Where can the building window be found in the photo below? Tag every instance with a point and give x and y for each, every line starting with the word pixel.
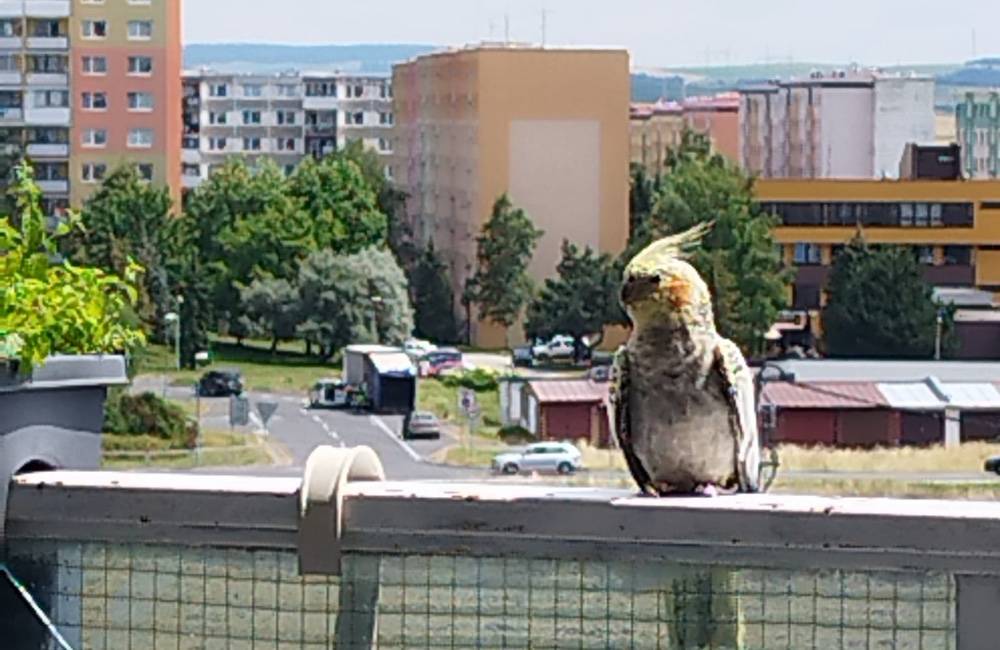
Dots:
pixel 93 172
pixel 47 63
pixel 94 28
pixel 140 102
pixel 94 101
pixel 285 144
pixel 251 117
pixel 286 118
pixel 958 255
pixel 253 90
pixel 191 169
pixel 48 136
pixel 924 254
pixel 10 63
pixel 50 99
pixel 384 145
pixel 906 214
pixel 216 144
pixel 218 90
pixel 140 138
pixel 94 65
pixel 140 30
pixel 321 89
pixel 47 29
pixel 145 171
pixel 141 65
pixel 356 118
pixel 385 118
pixel 189 142
pixel 807 254
pixel 922 215
pixel 216 118
pixel 10 28
pixel 251 144
pixel 95 138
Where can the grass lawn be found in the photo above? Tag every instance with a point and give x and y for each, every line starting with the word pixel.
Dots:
pixel 288 369
pixel 218 449
pixel 968 457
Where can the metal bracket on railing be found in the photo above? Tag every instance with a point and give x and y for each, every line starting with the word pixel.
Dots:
pixel 328 470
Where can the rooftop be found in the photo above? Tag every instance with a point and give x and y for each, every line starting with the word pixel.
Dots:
pixel 567 391
pixel 818 370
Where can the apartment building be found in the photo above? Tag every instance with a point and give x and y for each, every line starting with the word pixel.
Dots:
pixel 844 125
pixel 285 117
pixel 549 127
pixel 977 116
pixel 80 84
pixel 656 127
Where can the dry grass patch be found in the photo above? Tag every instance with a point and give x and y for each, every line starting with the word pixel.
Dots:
pixel 968 457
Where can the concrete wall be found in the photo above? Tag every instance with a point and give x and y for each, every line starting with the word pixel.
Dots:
pixel 846 133
pixel 904 113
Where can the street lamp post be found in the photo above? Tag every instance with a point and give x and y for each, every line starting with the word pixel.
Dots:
pixel 172 318
pixel 937 336
pixel 377 308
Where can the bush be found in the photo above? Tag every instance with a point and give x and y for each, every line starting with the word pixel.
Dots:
pixel 479 380
pixel 149 415
pixel 516 435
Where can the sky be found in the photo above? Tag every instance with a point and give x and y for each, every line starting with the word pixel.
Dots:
pixel 657 32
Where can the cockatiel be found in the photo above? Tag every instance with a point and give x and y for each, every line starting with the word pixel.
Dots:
pixel 683 396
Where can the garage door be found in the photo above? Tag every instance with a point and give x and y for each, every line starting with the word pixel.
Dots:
pixel 567 421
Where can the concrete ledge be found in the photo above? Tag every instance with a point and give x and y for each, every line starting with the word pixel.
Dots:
pixel 163 508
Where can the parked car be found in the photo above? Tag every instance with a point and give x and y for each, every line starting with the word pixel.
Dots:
pixel 422 425
pixel 417 348
pixel 521 357
pixel 559 347
pixel 561 457
pixel 220 383
pixel 599 374
pixel 440 361
pixel 329 393
pixel 992 464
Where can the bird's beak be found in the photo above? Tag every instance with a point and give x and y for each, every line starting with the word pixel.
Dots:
pixel 639 287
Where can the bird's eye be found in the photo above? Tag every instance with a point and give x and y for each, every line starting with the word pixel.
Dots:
pixel 638 287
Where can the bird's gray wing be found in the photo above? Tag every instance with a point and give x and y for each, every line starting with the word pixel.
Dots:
pixel 740 391
pixel 620 396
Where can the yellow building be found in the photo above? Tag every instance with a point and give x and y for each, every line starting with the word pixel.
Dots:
pixel 550 127
pixel 654 128
pixel 953 226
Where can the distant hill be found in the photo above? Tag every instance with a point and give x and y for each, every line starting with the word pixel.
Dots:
pixel 259 57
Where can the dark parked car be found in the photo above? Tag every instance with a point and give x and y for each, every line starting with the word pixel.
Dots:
pixel 422 425
pixel 522 357
pixel 220 383
pixel 992 464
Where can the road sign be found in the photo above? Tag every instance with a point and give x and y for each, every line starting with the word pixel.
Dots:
pixel 467 402
pixel 239 411
pixel 266 410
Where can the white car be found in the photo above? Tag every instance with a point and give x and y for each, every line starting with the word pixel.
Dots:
pixel 560 347
pixel 417 348
pixel 560 457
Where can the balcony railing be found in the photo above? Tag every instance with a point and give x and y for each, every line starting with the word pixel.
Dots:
pixel 342 557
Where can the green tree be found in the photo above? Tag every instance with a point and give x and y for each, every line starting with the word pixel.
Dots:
pixel 390 200
pixel 124 220
pixel 580 301
pixel 642 194
pixel 243 224
pixel 501 286
pixel 359 298
pixel 880 306
pixel 739 259
pixel 49 305
pixel 433 300
pixel 192 286
pixel 271 309
pixel 341 204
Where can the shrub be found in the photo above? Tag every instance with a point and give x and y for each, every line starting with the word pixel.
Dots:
pixel 479 380
pixel 516 435
pixel 149 415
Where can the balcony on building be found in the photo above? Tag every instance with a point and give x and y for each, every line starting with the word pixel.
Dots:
pixel 47 150
pixel 47 34
pixel 47 8
pixel 47 116
pixel 54 186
